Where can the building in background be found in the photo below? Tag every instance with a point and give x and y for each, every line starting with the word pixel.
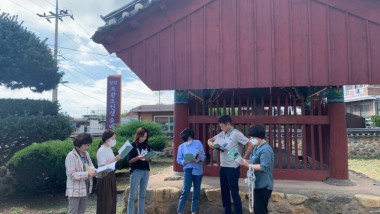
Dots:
pixel 160 113
pixel 362 100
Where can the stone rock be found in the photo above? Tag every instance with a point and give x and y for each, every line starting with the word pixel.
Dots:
pixel 211 209
pixel 324 207
pixel 315 196
pixel 277 196
pixel 149 195
pixel 213 194
pixel 296 199
pixel 339 199
pixel 166 194
pixel 173 178
pixel 126 195
pixel 368 201
pixel 301 210
pixel 282 207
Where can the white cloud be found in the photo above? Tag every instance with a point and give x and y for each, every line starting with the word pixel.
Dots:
pixel 85 72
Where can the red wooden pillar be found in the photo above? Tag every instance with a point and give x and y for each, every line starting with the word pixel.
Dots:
pixel 181 121
pixel 338 134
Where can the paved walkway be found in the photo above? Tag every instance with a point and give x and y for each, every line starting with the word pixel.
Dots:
pixel 361 185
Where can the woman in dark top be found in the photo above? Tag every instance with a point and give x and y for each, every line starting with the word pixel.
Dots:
pixel 139 174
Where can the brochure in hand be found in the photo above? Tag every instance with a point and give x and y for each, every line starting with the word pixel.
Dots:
pixel 220 145
pixel 234 154
pixel 125 149
pixel 105 169
pixel 150 155
pixel 189 156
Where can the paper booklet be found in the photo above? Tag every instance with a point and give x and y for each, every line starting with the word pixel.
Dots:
pixel 220 145
pixel 105 169
pixel 125 149
pixel 234 154
pixel 150 155
pixel 189 156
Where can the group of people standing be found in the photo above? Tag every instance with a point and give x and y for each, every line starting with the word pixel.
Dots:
pixel 80 172
pixel 258 156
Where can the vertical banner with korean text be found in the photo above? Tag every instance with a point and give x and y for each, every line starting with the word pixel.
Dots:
pixel 113 101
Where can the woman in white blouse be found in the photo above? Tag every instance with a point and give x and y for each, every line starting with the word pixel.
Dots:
pixel 106 185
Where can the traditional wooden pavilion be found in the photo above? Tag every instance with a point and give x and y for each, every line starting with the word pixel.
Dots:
pixel 277 62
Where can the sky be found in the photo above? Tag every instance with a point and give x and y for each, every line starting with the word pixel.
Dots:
pixel 86 64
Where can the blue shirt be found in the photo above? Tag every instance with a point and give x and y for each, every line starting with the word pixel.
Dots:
pixel 194 148
pixel 264 156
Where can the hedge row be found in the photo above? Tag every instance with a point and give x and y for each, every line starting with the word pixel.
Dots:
pixel 19 132
pixel 27 107
pixel 41 167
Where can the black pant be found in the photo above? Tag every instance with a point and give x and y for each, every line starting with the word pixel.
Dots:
pixel 261 200
pixel 229 184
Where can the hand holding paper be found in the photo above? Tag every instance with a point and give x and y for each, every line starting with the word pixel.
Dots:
pixel 220 145
pixel 125 149
pixel 150 155
pixel 104 170
pixel 234 154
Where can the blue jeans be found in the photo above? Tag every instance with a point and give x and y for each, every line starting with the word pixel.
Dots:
pixel 188 179
pixel 229 184
pixel 139 178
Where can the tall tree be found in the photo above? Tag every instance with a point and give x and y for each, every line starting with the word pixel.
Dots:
pixel 25 60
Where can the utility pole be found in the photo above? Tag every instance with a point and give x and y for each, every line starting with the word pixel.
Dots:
pixel 159 96
pixel 56 16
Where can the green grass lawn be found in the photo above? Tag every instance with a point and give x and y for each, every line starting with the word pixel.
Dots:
pixel 367 166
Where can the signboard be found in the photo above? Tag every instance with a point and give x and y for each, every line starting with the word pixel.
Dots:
pixel 113 101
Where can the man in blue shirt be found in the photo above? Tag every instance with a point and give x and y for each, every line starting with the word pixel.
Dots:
pixel 261 161
pixel 191 155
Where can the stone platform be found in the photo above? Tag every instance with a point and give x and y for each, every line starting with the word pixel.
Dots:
pixel 362 195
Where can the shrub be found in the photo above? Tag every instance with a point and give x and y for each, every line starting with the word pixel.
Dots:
pixel 26 107
pixel 158 143
pixel 376 120
pixel 19 132
pixel 157 139
pixel 41 167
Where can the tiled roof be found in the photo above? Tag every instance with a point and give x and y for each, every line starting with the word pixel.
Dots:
pixel 123 14
pixel 153 108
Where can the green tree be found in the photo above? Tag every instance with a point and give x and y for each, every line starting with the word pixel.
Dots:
pixel 25 60
pixel 23 122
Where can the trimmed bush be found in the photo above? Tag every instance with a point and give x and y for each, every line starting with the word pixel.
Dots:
pixel 158 143
pixel 40 168
pixel 19 132
pixel 375 120
pixel 157 139
pixel 27 107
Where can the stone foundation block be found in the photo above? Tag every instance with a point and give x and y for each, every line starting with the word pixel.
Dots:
pixel 296 199
pixel 165 194
pixel 277 196
pixel 368 201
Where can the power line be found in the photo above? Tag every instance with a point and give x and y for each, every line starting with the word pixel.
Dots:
pixel 88 52
pixel 84 94
pixel 38 5
pixel 68 59
pixel 22 6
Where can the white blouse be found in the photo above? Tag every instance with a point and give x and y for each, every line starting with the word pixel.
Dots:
pixel 104 155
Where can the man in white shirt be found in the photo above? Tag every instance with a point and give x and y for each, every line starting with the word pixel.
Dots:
pixel 229 168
